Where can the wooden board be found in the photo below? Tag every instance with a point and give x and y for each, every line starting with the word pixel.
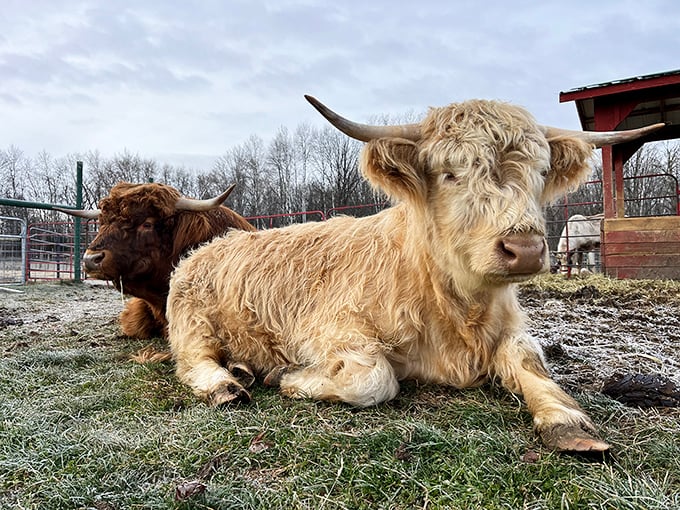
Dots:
pixel 641 247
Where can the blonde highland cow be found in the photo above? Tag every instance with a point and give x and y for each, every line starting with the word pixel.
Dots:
pixel 343 310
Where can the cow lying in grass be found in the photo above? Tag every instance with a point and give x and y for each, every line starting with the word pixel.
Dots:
pixel 345 309
pixel 144 229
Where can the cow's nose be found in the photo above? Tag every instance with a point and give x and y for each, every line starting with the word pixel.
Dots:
pixel 522 253
pixel 93 260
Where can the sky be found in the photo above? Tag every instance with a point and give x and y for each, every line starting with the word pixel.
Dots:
pixel 184 81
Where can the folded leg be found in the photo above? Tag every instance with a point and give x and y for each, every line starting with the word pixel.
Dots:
pixel 358 378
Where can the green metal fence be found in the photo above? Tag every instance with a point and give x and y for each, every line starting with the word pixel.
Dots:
pixel 8 254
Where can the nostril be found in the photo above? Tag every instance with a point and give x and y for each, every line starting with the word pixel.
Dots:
pixel 93 260
pixel 521 253
pixel 505 250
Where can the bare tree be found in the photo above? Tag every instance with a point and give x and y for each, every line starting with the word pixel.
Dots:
pixel 304 142
pixel 14 167
pixel 122 167
pixel 281 162
pixel 336 161
pixel 180 178
pixel 670 157
pixel 650 186
pixel 94 187
pixel 243 165
pixel 249 161
pixel 669 163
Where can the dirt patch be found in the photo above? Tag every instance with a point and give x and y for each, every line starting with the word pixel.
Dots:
pixel 61 315
pixel 591 332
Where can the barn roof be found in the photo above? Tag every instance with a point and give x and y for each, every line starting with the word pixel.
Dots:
pixel 653 98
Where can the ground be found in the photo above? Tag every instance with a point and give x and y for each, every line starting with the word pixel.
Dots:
pixel 593 328
pixel 82 426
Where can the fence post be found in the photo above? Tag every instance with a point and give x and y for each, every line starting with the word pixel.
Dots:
pixel 24 254
pixel 79 205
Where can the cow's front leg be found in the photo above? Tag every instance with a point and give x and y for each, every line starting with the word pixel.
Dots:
pixel 558 419
pixel 198 357
pixel 212 382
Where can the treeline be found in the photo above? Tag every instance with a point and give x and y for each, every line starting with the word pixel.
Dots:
pixel 308 169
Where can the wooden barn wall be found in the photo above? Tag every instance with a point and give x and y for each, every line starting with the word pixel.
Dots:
pixel 641 247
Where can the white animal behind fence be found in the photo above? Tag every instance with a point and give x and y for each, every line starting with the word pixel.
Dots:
pixel 579 243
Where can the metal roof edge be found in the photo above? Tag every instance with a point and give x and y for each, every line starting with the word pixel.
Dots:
pixel 579 92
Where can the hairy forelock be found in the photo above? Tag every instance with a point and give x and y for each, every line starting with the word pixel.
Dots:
pixel 126 200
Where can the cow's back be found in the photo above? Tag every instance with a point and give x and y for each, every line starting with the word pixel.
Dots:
pixel 293 284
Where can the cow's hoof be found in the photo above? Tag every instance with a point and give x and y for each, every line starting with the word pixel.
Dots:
pixel 243 373
pixel 273 378
pixel 572 438
pixel 229 394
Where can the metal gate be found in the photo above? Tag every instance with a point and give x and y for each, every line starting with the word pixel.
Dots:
pixel 12 251
pixel 51 249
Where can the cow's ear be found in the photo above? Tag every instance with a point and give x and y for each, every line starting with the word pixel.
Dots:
pixel 391 165
pixel 569 166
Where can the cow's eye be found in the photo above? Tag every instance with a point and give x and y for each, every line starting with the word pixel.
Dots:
pixel 147 225
pixel 448 177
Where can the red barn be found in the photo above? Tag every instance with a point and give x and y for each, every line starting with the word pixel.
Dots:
pixel 647 247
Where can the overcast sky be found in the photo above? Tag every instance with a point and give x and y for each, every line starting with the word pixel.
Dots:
pixel 183 81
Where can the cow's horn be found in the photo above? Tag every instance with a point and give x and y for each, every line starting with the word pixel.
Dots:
pixel 365 132
pixel 601 138
pixel 191 204
pixel 88 214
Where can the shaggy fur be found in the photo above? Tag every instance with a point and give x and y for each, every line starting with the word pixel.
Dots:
pixel 343 310
pixel 142 237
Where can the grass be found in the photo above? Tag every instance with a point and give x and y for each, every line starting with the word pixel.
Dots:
pixel 83 427
pixel 601 287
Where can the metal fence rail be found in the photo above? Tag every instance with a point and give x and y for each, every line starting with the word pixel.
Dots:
pixel 267 221
pixel 12 251
pixel 51 249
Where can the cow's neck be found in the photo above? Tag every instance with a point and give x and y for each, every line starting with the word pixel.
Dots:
pixel 148 291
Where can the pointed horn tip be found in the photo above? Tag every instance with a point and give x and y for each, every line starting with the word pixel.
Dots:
pixel 311 99
pixel 321 108
pixel 225 194
pixel 654 127
pixel 196 205
pixel 91 214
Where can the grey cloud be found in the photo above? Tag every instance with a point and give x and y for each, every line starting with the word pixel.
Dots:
pixel 232 69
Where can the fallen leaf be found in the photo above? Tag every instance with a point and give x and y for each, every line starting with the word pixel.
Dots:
pixel 258 444
pixel 188 490
pixel 210 468
pixel 531 457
